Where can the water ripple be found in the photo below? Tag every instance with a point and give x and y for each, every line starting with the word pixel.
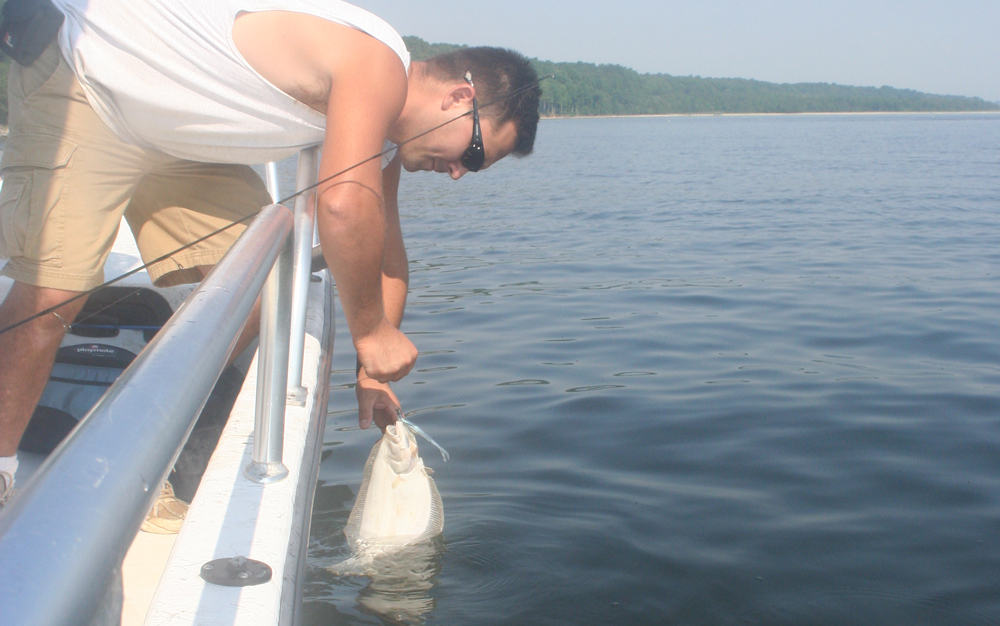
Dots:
pixel 749 377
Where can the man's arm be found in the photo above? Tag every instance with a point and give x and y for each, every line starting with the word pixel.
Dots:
pixel 395 265
pixel 355 225
pixel 361 86
pixel 376 401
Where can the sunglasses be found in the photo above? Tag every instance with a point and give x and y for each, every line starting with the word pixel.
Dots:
pixel 475 154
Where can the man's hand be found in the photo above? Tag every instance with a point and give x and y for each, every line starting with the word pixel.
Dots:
pixel 386 354
pixel 375 401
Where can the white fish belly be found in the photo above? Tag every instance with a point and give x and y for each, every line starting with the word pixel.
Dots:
pixel 397 506
pixel 398 502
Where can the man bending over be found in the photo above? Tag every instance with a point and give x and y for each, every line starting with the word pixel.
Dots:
pixel 155 109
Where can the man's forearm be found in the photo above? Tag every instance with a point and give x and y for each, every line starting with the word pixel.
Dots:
pixel 395 265
pixel 394 292
pixel 395 269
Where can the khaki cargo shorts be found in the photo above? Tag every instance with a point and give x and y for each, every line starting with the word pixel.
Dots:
pixel 67 181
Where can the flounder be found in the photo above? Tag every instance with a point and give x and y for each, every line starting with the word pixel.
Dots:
pixel 398 503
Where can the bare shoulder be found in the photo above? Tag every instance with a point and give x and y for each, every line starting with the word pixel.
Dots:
pixel 307 56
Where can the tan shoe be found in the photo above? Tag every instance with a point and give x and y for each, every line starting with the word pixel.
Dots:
pixel 167 514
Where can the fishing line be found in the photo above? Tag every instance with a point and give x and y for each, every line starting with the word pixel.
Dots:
pixel 136 270
pixel 420 431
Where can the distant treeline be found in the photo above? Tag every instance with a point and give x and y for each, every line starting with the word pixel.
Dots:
pixel 588 89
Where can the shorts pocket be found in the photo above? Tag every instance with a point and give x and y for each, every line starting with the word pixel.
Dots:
pixel 31 200
pixel 12 217
pixel 30 80
pixel 36 151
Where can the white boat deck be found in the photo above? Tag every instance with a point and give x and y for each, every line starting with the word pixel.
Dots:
pixel 141 571
pixel 233 516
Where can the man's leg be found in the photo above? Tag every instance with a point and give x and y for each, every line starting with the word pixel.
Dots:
pixel 182 201
pixel 28 353
pixel 67 179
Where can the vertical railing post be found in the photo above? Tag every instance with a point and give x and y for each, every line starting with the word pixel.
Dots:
pixel 305 212
pixel 271 178
pixel 272 372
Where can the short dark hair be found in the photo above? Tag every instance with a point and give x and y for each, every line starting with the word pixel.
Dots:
pixel 496 72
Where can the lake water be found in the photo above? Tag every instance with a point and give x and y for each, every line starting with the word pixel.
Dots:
pixel 697 370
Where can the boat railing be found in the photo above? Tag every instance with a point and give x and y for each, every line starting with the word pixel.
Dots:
pixel 64 536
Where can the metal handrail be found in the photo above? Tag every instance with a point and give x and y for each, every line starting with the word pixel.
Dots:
pixel 63 538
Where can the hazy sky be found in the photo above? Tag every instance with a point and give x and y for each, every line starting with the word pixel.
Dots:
pixel 936 46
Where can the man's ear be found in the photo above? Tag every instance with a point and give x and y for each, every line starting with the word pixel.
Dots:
pixel 459 95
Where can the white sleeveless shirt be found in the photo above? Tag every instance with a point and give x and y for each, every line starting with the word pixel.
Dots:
pixel 166 75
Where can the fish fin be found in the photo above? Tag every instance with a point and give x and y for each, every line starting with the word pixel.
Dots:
pixel 436 522
pixel 353 528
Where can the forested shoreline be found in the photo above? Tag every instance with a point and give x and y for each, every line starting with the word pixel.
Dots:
pixel 586 89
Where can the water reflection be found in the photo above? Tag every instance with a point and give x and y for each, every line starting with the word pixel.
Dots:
pixel 399 584
pixel 394 588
